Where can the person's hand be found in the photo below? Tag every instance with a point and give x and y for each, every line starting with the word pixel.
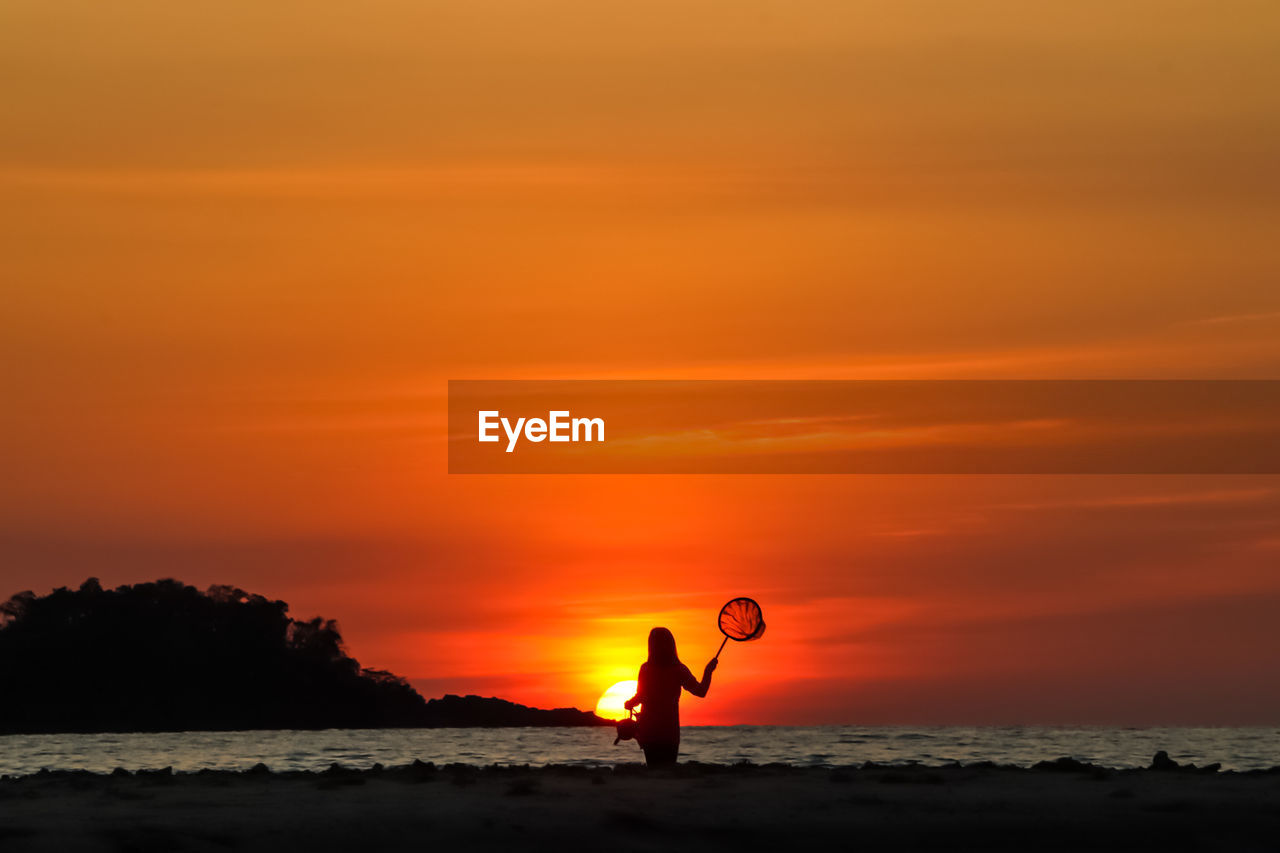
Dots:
pixel 711 666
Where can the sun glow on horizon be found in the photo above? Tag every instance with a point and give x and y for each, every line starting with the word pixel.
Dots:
pixel 610 704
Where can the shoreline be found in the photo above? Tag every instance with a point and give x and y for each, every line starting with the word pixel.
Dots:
pixel 1160 764
pixel 1059 805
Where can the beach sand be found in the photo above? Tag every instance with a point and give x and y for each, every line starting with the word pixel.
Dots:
pixel 691 807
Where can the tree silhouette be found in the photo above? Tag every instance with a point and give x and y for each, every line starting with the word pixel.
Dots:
pixel 164 656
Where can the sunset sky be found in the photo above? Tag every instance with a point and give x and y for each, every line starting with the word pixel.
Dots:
pixel 244 246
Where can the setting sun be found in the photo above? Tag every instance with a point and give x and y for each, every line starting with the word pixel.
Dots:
pixel 610 704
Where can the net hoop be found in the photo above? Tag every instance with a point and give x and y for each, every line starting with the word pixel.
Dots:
pixel 742 620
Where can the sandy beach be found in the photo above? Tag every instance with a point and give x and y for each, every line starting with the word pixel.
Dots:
pixel 745 807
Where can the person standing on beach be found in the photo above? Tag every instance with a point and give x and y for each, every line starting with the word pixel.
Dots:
pixel 661 679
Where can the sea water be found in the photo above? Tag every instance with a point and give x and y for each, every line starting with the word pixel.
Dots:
pixel 820 746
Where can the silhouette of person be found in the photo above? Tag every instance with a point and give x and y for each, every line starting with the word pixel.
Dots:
pixel 660 681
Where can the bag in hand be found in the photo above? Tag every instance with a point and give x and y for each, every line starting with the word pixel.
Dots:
pixel 627 729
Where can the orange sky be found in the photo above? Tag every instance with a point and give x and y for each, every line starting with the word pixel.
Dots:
pixel 245 245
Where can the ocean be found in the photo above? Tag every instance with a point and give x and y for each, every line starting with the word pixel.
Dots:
pixel 821 746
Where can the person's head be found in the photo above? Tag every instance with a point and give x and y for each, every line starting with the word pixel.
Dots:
pixel 662 647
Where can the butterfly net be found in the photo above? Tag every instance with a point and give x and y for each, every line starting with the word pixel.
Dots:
pixel 742 620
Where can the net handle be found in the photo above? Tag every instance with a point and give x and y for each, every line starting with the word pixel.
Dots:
pixel 719 650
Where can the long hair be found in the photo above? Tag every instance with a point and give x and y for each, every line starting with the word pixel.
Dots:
pixel 662 648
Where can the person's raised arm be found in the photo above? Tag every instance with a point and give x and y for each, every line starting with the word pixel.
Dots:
pixel 700 688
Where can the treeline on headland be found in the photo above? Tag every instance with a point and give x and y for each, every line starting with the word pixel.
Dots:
pixel 165 656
